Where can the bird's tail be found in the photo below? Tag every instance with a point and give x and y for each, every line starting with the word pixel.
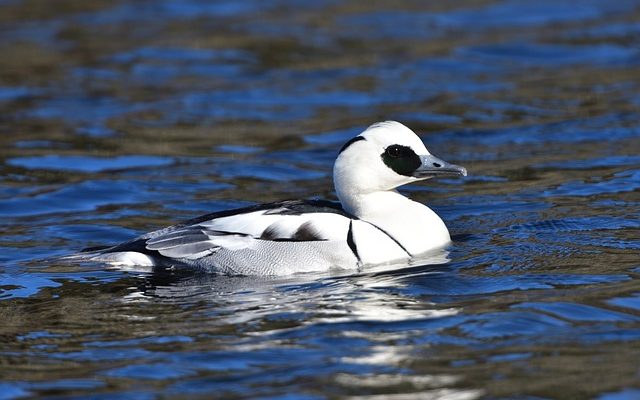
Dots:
pixel 124 260
pixel 89 254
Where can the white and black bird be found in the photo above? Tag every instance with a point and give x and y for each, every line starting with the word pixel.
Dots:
pixel 372 224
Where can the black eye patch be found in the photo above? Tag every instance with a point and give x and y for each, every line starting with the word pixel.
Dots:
pixel 397 151
pixel 402 159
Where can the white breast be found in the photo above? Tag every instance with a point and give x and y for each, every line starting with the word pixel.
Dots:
pixel 374 246
pixel 415 226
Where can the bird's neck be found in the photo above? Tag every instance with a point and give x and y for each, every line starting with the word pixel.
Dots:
pixel 415 226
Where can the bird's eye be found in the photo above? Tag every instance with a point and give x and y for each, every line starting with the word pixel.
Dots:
pixel 401 159
pixel 394 151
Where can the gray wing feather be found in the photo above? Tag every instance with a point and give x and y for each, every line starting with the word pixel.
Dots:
pixel 162 243
pixel 177 237
pixel 190 230
pixel 189 250
pixel 183 243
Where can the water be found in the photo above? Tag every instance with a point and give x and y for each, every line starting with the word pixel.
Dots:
pixel 119 118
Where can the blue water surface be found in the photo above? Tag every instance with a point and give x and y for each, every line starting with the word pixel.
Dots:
pixel 121 118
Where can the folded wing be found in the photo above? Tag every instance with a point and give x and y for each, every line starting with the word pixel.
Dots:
pixel 294 222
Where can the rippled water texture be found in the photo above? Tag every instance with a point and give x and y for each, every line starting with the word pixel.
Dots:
pixel 119 117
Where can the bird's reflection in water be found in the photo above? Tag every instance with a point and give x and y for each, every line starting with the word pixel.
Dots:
pixel 368 295
pixel 369 319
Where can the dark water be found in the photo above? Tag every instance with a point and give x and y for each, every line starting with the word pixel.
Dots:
pixel 121 117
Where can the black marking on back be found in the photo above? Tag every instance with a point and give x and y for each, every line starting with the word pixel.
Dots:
pixel 271 233
pixel 351 242
pixel 402 159
pixel 350 142
pixel 94 249
pixel 299 207
pixel 138 245
pixel 286 207
pixel 307 233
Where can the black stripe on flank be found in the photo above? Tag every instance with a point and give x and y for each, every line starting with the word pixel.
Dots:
pixel 351 242
pixel 350 142
pixel 392 238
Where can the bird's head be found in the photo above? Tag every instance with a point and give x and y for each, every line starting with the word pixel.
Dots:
pixel 386 155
